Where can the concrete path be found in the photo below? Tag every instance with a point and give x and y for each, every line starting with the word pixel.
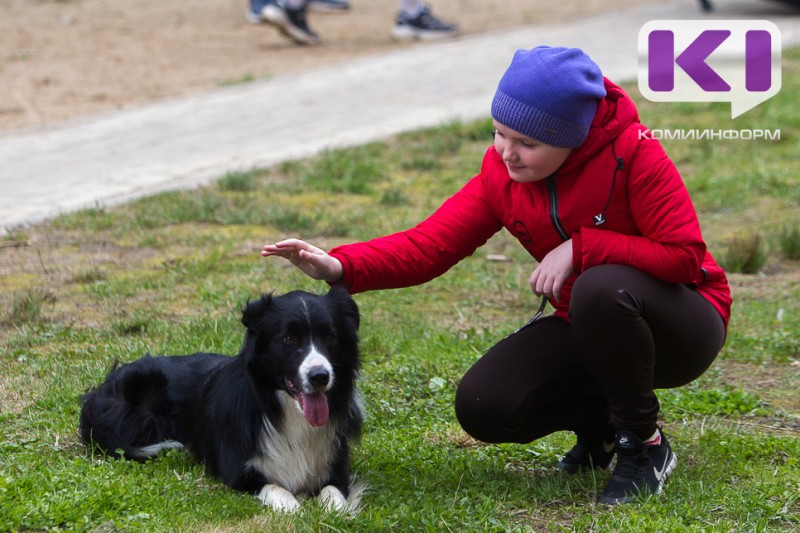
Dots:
pixel 108 159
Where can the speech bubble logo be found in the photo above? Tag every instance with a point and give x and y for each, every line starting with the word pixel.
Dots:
pixel 736 61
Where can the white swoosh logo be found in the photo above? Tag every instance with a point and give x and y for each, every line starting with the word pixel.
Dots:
pixel 660 473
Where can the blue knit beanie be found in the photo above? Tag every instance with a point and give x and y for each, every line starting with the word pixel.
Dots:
pixel 550 94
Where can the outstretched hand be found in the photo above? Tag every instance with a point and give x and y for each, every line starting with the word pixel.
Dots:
pixel 313 261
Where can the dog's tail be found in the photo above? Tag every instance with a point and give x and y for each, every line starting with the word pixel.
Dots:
pixel 130 413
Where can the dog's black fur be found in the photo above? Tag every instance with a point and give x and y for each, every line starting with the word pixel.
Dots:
pixel 243 416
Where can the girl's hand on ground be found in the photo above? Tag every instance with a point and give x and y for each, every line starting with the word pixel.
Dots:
pixel 313 261
pixel 549 276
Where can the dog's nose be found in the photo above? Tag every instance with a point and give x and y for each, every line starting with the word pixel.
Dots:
pixel 318 376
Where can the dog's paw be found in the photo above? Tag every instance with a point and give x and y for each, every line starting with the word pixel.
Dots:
pixel 332 498
pixel 278 498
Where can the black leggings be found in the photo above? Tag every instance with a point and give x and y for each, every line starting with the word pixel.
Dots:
pixel 629 334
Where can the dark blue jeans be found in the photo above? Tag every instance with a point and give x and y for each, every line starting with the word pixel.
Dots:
pixel 629 334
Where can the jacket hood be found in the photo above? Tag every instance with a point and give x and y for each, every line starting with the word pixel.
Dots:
pixel 615 113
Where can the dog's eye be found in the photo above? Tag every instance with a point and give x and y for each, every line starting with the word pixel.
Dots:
pixel 290 339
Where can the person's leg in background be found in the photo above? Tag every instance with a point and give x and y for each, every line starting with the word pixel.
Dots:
pixel 416 21
pixel 289 16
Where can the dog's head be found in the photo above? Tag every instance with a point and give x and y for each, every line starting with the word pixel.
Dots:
pixel 305 345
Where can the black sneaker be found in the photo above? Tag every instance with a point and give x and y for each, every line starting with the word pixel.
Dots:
pixel 640 469
pixel 424 26
pixel 593 450
pixel 291 22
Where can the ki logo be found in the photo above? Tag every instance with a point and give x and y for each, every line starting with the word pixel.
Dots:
pixel 736 61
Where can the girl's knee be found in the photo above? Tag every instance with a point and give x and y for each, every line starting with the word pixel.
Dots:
pixel 602 278
pixel 469 412
pixel 602 290
pixel 476 414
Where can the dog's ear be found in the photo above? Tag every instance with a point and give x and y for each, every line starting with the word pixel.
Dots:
pixel 345 304
pixel 255 309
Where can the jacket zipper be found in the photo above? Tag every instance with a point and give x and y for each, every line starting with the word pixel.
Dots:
pixel 551 189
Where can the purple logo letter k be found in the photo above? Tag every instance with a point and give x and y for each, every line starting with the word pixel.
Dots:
pixel 661 75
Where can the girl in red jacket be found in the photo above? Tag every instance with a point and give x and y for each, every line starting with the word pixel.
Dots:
pixel 640 303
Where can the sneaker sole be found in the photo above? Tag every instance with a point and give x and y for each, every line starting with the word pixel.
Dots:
pixel 403 33
pixel 253 18
pixel 275 16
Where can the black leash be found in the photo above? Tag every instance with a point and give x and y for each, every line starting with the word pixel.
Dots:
pixel 537 316
pixel 533 319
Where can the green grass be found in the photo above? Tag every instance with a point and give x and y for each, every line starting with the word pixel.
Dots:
pixel 169 273
pixel 26 306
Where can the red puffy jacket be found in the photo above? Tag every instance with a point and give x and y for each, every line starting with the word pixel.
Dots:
pixel 618 176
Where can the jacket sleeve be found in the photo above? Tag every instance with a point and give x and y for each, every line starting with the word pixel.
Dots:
pixel 412 257
pixel 670 247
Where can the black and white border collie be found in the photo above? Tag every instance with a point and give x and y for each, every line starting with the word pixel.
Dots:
pixel 276 420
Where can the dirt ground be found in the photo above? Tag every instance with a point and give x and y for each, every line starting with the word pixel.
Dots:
pixel 61 59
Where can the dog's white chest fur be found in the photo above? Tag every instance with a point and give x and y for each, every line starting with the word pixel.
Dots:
pixel 298 457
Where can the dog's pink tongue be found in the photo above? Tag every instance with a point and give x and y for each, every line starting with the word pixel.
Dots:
pixel 315 409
